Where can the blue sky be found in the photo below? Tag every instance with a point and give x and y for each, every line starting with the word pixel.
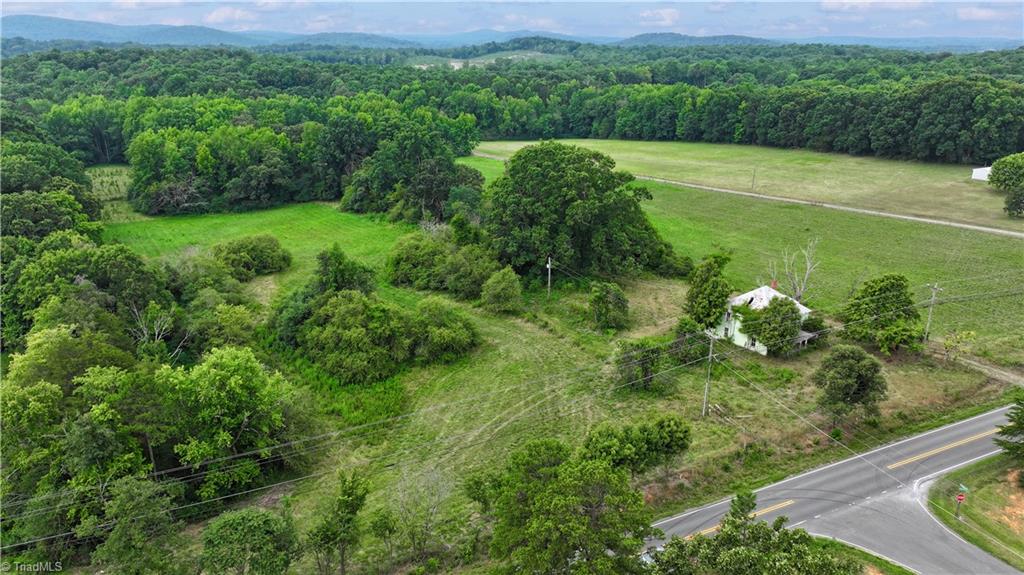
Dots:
pixel 766 19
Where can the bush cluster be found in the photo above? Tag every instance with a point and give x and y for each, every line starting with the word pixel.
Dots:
pixel 336 322
pixel 609 308
pixel 252 256
pixel 435 261
pixel 638 447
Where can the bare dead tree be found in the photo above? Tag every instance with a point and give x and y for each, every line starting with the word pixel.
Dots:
pixel 799 275
pixel 796 270
pixel 152 324
pixel 418 508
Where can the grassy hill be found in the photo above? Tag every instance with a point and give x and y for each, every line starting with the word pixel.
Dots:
pixel 941 191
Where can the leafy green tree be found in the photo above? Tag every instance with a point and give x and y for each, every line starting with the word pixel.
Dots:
pixel 744 545
pixel 233 406
pixel 569 203
pixel 609 308
pixel 777 326
pixel 248 542
pixel 637 362
pixel 60 354
pixel 36 214
pixel 557 514
pixel 849 378
pixel 588 519
pixel 384 526
pixel 145 539
pixel 709 292
pixel 689 341
pixel 882 312
pixel 503 292
pixel 1011 435
pixel 83 305
pixel 1008 173
pixel 443 333
pixel 337 530
pixel 29 165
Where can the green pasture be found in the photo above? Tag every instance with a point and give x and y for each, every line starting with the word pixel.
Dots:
pixel 942 191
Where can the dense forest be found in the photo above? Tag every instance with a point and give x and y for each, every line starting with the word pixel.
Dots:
pixel 857 100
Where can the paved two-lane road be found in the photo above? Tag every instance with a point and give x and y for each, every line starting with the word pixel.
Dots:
pixel 876 500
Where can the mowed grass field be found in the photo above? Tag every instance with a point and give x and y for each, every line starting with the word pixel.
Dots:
pixel 981 274
pixel 992 516
pixel 303 229
pixel 941 191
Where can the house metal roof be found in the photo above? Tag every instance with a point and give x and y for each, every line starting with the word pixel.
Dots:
pixel 760 297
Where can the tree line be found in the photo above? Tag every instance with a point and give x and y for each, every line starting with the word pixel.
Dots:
pixel 841 99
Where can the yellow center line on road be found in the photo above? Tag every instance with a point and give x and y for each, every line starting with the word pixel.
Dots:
pixel 938 450
pixel 758 513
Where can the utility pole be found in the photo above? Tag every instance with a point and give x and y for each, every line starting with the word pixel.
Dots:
pixel 931 305
pixel 707 381
pixel 549 277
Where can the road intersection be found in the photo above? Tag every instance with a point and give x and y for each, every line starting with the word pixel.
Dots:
pixel 877 500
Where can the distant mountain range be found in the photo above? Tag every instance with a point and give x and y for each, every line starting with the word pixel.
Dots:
pixel 47 28
pixel 673 39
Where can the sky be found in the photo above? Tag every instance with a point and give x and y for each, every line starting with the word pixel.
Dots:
pixel 770 19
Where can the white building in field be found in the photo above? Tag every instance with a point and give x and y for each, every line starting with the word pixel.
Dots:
pixel 730 327
pixel 981 174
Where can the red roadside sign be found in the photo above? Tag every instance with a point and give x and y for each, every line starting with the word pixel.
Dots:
pixel 960 497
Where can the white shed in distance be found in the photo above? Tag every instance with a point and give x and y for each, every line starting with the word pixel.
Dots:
pixel 981 174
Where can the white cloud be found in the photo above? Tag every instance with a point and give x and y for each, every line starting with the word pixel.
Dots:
pixel 514 21
pixel 851 5
pixel 321 23
pixel 662 17
pixel 228 14
pixel 975 14
pixel 718 6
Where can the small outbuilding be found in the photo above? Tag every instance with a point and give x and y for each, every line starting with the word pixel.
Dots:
pixel 981 174
pixel 730 327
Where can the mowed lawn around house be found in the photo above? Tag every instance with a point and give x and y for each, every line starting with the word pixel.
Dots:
pixel 941 191
pixel 992 515
pixel 981 274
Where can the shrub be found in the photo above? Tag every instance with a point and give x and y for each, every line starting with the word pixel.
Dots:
pixel 251 256
pixel 609 307
pixel 637 362
pixel 502 292
pixel 356 338
pixel 1015 202
pixel 443 333
pixel 415 262
pixel 689 343
pixel 1008 173
pixel 638 447
pixel 465 271
pixel 337 272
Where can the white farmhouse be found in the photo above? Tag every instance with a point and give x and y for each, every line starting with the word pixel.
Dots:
pixel 981 174
pixel 730 327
